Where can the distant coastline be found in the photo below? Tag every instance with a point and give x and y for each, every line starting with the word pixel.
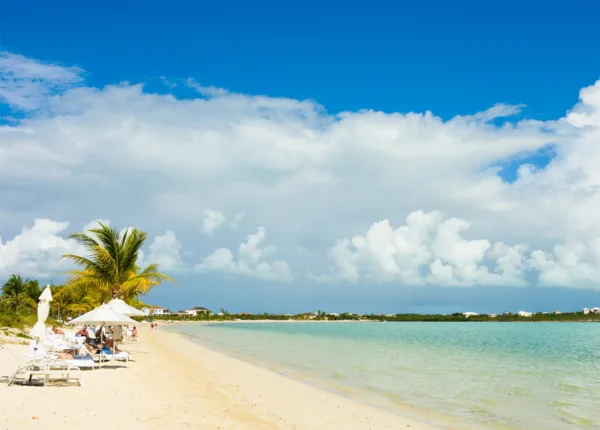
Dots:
pixel 569 317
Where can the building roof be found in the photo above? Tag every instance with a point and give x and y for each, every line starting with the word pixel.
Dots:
pixel 198 308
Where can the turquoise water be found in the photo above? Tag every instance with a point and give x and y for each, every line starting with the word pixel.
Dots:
pixel 493 375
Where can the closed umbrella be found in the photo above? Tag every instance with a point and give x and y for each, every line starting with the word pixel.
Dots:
pixel 39 329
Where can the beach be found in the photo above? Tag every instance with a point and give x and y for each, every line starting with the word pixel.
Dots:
pixel 174 383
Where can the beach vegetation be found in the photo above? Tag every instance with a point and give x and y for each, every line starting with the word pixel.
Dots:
pixel 19 296
pixel 110 269
pixel 347 316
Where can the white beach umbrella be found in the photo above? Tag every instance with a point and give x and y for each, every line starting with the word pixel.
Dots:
pixel 102 315
pixel 123 308
pixel 39 329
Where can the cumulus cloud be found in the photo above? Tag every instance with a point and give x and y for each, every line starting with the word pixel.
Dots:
pixel 309 175
pixel 165 251
pixel 36 251
pixel 252 261
pixel 429 249
pixel 576 264
pixel 25 83
pixel 212 221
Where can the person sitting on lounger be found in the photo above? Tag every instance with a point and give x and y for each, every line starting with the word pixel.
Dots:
pixel 56 330
pixel 110 343
pixel 134 332
pixel 83 332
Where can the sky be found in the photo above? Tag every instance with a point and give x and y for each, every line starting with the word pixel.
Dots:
pixel 361 157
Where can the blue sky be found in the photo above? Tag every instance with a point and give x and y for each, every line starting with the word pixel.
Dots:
pixel 448 57
pixel 292 166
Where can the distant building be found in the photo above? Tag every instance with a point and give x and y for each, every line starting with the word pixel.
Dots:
pixel 470 314
pixel 198 310
pixel 333 314
pixel 585 311
pixel 155 311
pixel 493 315
pixel 595 310
pixel 525 314
pixel 557 312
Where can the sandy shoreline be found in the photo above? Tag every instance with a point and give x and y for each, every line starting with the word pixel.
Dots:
pixel 176 383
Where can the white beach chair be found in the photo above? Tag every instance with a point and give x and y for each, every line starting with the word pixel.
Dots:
pixel 47 366
pixel 120 356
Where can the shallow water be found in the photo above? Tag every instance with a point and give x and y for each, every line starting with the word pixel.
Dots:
pixel 498 375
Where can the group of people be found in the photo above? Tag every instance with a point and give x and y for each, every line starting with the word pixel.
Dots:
pixel 96 339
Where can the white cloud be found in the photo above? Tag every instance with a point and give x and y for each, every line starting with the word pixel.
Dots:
pixel 576 264
pixel 213 220
pixel 209 91
pixel 429 249
pixel 252 261
pixel 36 251
pixel 25 84
pixel 165 251
pixel 309 175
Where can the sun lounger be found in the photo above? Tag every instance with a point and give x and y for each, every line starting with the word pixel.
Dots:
pixel 46 367
pixel 120 356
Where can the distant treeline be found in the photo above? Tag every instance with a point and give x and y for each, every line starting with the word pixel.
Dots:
pixel 321 316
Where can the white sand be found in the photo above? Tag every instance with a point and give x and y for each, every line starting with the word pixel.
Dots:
pixel 174 383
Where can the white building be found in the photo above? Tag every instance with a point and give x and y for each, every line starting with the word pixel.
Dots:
pixel 470 314
pixel 197 310
pixel 595 310
pixel 585 311
pixel 525 314
pixel 157 311
pixel 493 315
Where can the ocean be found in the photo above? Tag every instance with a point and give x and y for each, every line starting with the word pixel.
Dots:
pixel 489 375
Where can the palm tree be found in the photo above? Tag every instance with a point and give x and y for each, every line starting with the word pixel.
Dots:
pixel 70 302
pixel 33 289
pixel 110 269
pixel 17 294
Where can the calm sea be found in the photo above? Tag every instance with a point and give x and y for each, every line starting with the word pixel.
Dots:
pixel 496 375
